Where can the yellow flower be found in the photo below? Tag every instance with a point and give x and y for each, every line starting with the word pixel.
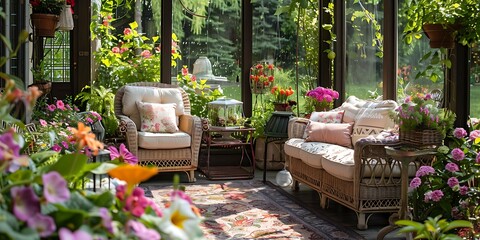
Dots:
pixel 132 174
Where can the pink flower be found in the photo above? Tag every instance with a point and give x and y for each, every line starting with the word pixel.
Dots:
pixel 66 234
pixel 136 203
pixel 459 133
pixel 477 159
pixel 51 107
pixel 116 50
pixel 142 232
pixel 452 167
pixel 55 188
pixel 415 183
pixel 458 154
pixel 184 71
pixel 474 134
pixel 56 148
pixel 435 195
pixel 452 182
pixel 123 154
pixel 463 190
pixel 424 170
pixel 60 105
pixel 146 54
pixel 43 123
pixel 127 31
pixel 180 194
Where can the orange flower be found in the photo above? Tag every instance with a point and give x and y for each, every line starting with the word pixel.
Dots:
pixel 84 137
pixel 132 174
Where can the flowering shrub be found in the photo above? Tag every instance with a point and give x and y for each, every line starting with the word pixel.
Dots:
pixel 128 57
pixel 421 112
pixel 41 195
pixel 322 98
pixel 262 77
pixel 198 91
pixel 450 186
pixel 281 94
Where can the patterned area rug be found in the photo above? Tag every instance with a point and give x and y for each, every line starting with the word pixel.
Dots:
pixel 252 210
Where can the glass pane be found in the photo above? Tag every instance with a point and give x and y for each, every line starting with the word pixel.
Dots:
pixel 415 72
pixel 209 42
pixel 57 57
pixel 275 42
pixel 364 29
pixel 475 81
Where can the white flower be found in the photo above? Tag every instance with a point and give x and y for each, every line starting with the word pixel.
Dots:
pixel 180 222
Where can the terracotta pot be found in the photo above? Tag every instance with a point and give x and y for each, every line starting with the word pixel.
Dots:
pixel 44 24
pixel 280 106
pixel 441 36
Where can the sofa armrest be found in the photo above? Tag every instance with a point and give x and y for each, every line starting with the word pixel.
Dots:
pixel 193 126
pixel 373 166
pixel 131 134
pixel 296 127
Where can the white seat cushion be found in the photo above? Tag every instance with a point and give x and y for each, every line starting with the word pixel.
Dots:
pixel 339 162
pixel 292 147
pixel 149 140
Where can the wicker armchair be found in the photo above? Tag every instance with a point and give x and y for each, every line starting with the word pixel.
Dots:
pixel 170 152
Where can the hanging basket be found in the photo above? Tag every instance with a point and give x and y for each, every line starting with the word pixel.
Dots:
pixel 421 138
pixel 44 25
pixel 441 36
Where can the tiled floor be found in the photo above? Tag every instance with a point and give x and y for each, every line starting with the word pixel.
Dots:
pixel 335 212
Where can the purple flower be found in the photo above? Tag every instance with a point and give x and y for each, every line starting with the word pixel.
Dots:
pixel 10 153
pixel 416 181
pixel 459 133
pixel 452 167
pixel 56 148
pixel 463 190
pixel 123 154
pixel 106 219
pixel 474 134
pixel 142 232
pixel 424 170
pixel 55 188
pixel 458 154
pixel 66 234
pixel 43 224
pixel 64 144
pixel 435 195
pixel 452 182
pixel 89 120
pixel 25 202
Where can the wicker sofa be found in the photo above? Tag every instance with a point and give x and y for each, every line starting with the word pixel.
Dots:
pixel 363 178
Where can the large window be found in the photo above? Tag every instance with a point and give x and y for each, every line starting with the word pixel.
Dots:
pixel 419 66
pixel 475 81
pixel 364 42
pixel 57 57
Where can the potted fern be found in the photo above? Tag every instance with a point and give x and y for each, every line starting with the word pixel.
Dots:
pixel 443 21
pixel 41 78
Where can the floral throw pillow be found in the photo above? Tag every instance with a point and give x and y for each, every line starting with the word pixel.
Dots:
pixel 157 117
pixel 325 117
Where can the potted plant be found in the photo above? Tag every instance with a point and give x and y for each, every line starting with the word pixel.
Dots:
pixel 41 78
pixel 453 21
pixel 45 16
pixel 281 102
pixel 321 98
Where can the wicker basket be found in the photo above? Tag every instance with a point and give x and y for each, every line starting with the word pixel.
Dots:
pixel 423 138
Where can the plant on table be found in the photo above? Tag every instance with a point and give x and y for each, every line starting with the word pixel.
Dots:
pixel 322 98
pixel 280 96
pixel 420 112
pixel 41 196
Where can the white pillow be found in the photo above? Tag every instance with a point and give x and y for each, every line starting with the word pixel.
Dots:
pixel 157 117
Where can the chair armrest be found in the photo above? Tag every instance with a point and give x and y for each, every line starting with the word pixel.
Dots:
pixel 131 134
pixel 193 126
pixel 296 127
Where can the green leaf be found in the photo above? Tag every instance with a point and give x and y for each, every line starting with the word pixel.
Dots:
pixel 25 234
pixel 105 199
pixel 69 164
pixel 103 168
pixel 133 25
pixel 458 224
pixel 20 175
pixel 38 156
